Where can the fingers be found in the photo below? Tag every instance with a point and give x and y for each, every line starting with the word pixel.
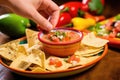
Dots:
pixel 50 10
pixel 53 11
pixel 42 21
pixel 54 18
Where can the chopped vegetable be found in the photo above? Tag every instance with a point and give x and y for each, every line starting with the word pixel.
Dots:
pixel 109 29
pixel 56 62
pixel 73 59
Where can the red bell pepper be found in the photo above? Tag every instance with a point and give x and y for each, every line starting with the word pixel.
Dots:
pixel 95 6
pixel 73 7
pixel 64 19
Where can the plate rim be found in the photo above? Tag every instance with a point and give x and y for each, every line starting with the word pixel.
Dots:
pixel 59 71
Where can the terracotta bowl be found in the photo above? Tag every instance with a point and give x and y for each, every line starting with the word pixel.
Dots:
pixel 61 49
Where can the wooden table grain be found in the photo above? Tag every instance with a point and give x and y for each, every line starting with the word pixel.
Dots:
pixel 106 69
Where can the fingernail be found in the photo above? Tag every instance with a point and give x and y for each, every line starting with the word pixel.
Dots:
pixel 50 27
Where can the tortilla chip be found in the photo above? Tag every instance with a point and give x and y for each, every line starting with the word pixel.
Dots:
pixel 37 69
pixel 86 60
pixel 92 54
pixel 91 40
pixel 12 44
pixel 35 53
pixel 64 66
pixel 20 63
pixel 32 37
pixel 9 50
pixel 87 50
pixel 32 58
pixel 21 50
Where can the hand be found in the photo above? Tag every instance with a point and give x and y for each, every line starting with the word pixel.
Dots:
pixel 43 12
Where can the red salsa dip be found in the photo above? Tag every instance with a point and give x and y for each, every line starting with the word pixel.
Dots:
pixel 61 36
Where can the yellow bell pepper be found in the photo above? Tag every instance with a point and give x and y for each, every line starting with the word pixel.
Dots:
pixel 81 23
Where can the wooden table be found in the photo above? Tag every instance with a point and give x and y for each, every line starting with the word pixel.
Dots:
pixel 107 69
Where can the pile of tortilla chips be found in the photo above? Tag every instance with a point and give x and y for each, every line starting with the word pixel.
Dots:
pixel 31 57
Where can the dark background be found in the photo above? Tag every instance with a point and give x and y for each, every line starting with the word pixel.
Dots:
pixel 112 7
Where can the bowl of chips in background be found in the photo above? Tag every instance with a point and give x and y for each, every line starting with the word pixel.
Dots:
pixel 112 25
pixel 25 57
pixel 108 29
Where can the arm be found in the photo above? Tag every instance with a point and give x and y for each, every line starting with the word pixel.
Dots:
pixel 37 10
